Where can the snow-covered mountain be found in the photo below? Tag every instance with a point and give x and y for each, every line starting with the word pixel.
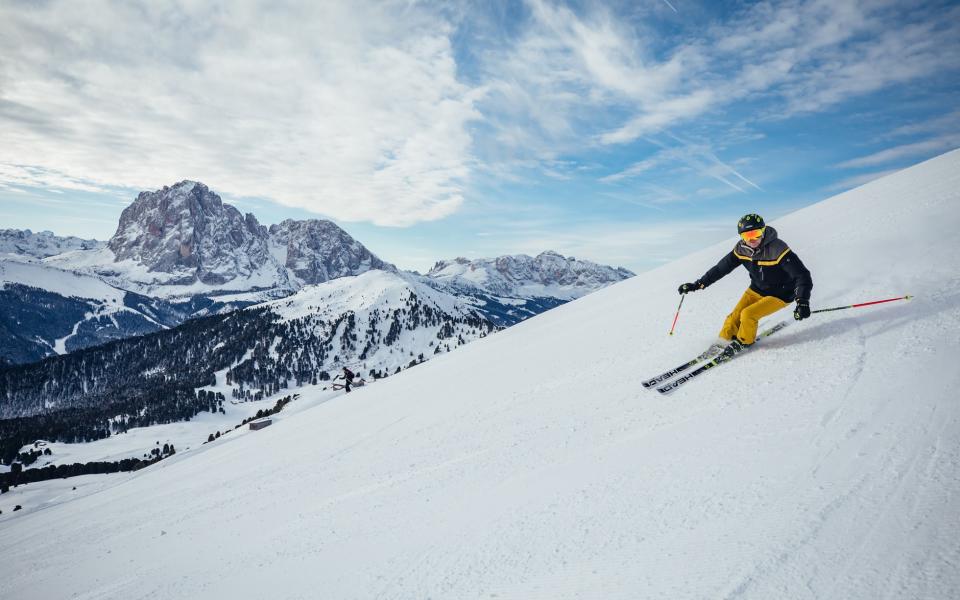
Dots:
pixel 180 252
pixel 23 244
pixel 520 276
pixel 185 234
pixel 183 241
pixel 47 311
pixel 377 323
pixel 508 289
pixel 315 251
pixel 825 463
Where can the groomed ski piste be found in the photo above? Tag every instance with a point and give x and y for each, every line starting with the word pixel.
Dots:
pixel 824 463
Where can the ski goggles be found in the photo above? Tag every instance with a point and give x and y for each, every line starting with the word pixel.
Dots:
pixel 755 234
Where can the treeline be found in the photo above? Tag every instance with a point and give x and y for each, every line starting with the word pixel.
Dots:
pixel 17 476
pixel 166 404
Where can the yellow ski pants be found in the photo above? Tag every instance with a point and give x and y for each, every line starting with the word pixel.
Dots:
pixel 746 315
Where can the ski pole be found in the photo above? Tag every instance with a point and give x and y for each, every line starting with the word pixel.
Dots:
pixel 676 316
pixel 861 304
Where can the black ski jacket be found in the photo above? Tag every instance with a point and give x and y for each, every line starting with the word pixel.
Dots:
pixel 774 269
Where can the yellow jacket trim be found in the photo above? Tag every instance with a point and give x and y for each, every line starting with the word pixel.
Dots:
pixel 740 256
pixel 767 263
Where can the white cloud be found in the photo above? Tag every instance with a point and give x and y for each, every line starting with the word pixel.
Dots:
pixel 698 156
pixel 349 109
pixel 360 110
pixel 664 114
pixel 941 123
pixel 798 56
pixel 30 176
pixel 902 151
pixel 635 169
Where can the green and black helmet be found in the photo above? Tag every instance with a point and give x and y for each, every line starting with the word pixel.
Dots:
pixel 750 222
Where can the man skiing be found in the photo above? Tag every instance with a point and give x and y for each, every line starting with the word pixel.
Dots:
pixel 777 277
pixel 348 377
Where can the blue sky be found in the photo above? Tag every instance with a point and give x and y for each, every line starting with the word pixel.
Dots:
pixel 626 133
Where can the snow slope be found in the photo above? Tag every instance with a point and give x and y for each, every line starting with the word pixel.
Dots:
pixel 135 276
pixel 59 281
pixel 88 311
pixel 360 294
pixel 531 464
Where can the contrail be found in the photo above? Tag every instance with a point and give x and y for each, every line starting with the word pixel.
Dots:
pixel 732 170
pixel 670 5
pixel 745 179
pixel 726 181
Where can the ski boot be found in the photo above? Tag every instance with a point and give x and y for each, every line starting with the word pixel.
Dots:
pixel 716 348
pixel 733 348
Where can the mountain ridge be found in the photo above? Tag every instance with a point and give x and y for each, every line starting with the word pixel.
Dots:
pixel 523 276
pixel 25 244
pixel 180 252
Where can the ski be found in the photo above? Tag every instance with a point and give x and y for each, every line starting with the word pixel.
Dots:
pixel 719 360
pixel 709 353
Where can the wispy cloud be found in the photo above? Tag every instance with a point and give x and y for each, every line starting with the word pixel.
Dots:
pixel 33 176
pixel 949 122
pixel 903 151
pixel 391 112
pixel 798 56
pixel 349 109
pixel 638 168
pixel 698 156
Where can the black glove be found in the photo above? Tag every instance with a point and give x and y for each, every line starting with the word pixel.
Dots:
pixel 690 287
pixel 802 311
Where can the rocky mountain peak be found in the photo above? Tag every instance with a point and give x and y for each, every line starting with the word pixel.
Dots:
pixel 187 231
pixel 440 265
pixel 318 250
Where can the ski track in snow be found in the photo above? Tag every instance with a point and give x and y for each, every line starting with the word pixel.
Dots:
pixel 532 463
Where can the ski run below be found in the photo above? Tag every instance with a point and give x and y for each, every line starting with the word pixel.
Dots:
pixel 532 463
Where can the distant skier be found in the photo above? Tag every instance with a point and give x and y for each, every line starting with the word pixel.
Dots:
pixel 348 377
pixel 777 277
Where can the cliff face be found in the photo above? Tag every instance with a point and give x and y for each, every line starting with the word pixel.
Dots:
pixel 318 251
pixel 187 231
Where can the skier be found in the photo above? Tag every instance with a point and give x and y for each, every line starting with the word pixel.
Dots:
pixel 777 277
pixel 348 377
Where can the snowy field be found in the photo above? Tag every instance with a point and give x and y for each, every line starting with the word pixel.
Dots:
pixel 532 464
pixel 60 282
pixel 44 494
